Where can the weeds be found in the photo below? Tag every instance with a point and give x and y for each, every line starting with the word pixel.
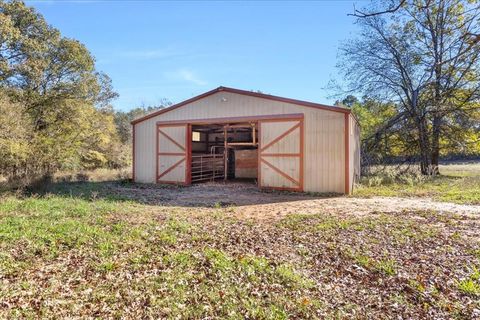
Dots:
pixel 471 285
pixel 459 186
pixel 363 260
pixel 386 266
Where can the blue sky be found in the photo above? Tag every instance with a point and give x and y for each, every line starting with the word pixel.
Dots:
pixel 176 50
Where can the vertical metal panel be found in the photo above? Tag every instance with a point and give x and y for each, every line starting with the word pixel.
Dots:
pixel 145 157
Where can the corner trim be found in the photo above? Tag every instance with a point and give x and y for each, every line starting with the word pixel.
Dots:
pixel 133 152
pixel 347 154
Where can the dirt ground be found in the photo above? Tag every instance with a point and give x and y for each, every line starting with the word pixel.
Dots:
pixel 247 201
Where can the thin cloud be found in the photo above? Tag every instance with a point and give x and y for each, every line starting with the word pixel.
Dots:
pixel 189 76
pixel 186 75
pixel 148 54
pixel 121 55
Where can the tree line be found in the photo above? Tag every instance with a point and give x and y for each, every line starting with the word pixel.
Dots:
pixel 54 105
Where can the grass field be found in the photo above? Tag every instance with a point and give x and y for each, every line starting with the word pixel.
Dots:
pixel 459 183
pixel 84 249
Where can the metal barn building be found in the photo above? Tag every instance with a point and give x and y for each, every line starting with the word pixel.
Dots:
pixel 227 134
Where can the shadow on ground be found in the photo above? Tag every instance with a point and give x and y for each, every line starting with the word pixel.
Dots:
pixel 211 194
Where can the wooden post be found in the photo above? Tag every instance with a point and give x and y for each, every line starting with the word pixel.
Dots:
pixel 207 141
pixel 253 133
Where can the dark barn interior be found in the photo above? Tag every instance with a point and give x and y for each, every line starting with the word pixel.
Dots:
pixel 224 151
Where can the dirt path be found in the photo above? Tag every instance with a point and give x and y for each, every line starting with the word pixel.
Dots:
pixel 247 201
pixel 356 206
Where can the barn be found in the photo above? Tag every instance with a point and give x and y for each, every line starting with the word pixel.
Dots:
pixel 230 134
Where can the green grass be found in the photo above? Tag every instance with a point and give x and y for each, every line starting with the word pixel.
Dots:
pixel 210 282
pixel 386 266
pixel 471 284
pixel 224 284
pixel 164 263
pixel 85 252
pixel 398 229
pixel 470 287
pixel 458 184
pixel 52 224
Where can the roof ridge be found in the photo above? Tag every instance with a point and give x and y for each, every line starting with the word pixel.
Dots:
pixel 244 92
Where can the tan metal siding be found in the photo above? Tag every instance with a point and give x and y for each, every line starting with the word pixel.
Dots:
pixel 324 156
pixel 270 178
pixel 175 175
pixel 277 139
pixel 272 130
pixel 144 151
pixel 172 142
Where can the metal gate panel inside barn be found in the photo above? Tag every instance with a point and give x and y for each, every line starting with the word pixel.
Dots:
pixel 281 154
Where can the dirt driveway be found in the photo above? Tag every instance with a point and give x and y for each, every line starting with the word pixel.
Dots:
pixel 246 201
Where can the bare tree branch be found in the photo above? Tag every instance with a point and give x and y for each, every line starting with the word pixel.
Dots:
pixel 360 14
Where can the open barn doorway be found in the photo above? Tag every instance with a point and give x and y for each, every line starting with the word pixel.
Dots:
pixel 224 152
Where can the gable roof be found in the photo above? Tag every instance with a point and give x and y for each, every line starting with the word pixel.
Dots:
pixel 246 93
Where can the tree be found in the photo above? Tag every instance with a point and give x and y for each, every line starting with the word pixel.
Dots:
pixel 380 145
pixel 14 136
pixel 123 119
pixel 350 101
pixel 423 57
pixel 53 82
